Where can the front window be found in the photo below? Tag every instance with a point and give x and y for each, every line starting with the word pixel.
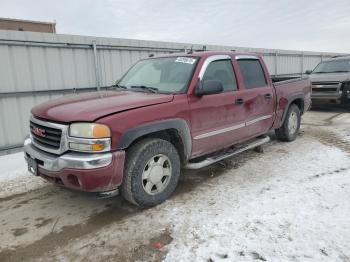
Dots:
pixel 163 75
pixel 221 70
pixel 337 66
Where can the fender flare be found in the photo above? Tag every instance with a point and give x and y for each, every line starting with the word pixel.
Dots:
pixel 291 99
pixel 180 125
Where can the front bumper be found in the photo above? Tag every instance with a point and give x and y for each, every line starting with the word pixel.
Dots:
pixel 83 171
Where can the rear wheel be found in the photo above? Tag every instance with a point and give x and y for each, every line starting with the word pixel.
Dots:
pixel 151 172
pixel 291 125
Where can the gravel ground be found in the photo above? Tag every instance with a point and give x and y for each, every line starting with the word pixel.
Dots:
pixel 290 203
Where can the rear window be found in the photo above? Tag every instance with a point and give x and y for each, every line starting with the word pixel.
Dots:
pixel 252 72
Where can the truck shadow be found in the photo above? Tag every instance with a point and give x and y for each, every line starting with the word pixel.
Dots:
pixel 191 179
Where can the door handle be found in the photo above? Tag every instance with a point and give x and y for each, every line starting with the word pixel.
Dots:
pixel 268 96
pixel 239 101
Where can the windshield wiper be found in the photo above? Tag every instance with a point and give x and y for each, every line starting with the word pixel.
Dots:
pixel 118 86
pixel 148 88
pixel 339 71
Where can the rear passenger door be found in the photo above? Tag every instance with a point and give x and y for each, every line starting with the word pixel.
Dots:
pixel 259 96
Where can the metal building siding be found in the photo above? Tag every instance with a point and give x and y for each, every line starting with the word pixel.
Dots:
pixel 289 64
pixel 7 82
pixel 53 68
pixel 32 62
pixel 12 119
pixel 270 63
pixel 311 61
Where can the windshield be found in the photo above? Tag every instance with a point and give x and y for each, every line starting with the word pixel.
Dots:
pixel 163 75
pixel 337 66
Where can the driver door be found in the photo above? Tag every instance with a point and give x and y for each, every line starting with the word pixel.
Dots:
pixel 217 120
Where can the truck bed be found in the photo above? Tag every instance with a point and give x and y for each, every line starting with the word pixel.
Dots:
pixel 279 79
pixel 288 90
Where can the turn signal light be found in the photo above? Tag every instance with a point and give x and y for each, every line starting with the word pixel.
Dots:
pixel 86 147
pixel 97 147
pixel 100 131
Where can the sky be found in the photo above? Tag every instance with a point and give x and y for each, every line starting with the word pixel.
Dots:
pixel 309 25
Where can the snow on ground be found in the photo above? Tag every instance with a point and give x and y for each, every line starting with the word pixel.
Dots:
pixel 342 123
pixel 285 207
pixel 290 203
pixel 12 167
pixel 14 175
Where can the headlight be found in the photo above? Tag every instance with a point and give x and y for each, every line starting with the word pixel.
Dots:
pixel 89 130
pixel 89 137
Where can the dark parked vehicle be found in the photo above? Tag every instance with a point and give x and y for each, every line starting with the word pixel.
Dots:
pixel 331 81
pixel 166 113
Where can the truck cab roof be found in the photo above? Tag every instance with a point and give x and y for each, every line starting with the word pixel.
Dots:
pixel 205 54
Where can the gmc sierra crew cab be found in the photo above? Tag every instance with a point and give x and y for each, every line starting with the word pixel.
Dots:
pixel 330 81
pixel 185 110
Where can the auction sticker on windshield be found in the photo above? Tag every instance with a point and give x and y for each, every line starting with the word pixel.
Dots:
pixel 186 60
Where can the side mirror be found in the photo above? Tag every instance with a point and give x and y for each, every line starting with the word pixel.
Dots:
pixel 209 87
pixel 308 72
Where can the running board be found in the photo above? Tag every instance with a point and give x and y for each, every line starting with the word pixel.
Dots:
pixel 245 146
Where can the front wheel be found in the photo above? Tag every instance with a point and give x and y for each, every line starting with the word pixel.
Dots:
pixel 291 125
pixel 346 103
pixel 151 172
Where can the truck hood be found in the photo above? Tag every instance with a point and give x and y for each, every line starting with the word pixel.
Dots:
pixel 330 77
pixel 91 106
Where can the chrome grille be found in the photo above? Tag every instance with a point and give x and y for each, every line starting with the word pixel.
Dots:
pixel 326 83
pixel 325 86
pixel 324 89
pixel 51 137
pixel 48 136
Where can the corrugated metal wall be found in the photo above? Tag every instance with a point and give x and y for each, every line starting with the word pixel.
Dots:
pixel 35 67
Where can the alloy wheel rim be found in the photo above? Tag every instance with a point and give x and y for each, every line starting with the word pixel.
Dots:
pixel 156 174
pixel 293 123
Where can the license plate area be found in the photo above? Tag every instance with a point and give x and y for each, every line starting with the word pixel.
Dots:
pixel 32 166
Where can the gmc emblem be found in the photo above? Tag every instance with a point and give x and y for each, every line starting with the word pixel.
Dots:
pixel 38 131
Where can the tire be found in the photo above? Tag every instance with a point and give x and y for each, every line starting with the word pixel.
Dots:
pixel 291 125
pixel 345 103
pixel 345 100
pixel 151 172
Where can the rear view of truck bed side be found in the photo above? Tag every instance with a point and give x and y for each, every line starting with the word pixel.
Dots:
pixel 297 91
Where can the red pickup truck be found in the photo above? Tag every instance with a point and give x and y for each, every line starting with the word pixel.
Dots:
pixel 166 113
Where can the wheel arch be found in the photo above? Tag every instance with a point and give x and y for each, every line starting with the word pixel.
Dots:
pixel 298 100
pixel 175 131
